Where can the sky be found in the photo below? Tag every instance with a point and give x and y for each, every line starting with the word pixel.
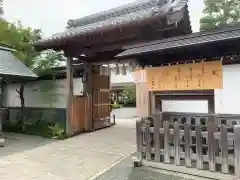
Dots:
pixel 52 15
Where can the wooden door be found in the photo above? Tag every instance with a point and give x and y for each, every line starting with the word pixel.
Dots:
pixel 101 101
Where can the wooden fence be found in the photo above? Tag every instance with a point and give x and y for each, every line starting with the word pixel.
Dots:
pixel 208 146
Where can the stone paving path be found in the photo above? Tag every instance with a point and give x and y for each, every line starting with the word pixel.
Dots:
pixel 125 171
pixel 78 158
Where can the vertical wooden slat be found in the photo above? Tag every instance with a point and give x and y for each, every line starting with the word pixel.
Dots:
pixel 166 143
pixel 148 143
pixel 88 92
pixel 237 149
pixel 199 147
pixel 153 103
pixel 139 138
pixel 224 148
pixel 157 137
pixel 187 138
pixel 211 143
pixel 177 143
pixel 138 132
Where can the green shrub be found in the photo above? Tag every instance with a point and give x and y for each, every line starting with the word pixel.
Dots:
pixel 38 128
pixel 115 106
pixel 57 130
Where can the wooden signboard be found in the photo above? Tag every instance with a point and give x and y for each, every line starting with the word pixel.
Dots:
pixel 197 76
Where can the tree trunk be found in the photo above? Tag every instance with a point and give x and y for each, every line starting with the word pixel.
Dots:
pixel 22 113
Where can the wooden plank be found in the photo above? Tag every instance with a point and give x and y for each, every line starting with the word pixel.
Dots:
pixel 199 147
pixel 177 143
pixel 69 95
pixel 187 138
pixel 204 75
pixel 237 150
pixel 166 143
pixel 140 137
pixel 148 143
pixel 205 158
pixel 211 143
pixel 157 137
pixel 224 149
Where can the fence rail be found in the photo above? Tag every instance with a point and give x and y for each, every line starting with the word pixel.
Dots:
pixel 209 146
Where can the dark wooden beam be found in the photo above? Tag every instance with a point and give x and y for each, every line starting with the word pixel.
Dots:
pixel 88 93
pixel 69 96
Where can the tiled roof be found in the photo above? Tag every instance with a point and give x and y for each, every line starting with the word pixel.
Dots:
pixel 116 12
pixel 11 66
pixel 117 17
pixel 183 41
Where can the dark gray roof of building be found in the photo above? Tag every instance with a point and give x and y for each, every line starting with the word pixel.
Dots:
pixel 115 12
pixel 7 48
pixel 11 66
pixel 230 33
pixel 117 17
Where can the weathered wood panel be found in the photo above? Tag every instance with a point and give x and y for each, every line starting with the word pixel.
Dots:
pixel 101 105
pixel 190 145
pixel 101 101
pixel 101 81
pixel 142 100
pixel 79 113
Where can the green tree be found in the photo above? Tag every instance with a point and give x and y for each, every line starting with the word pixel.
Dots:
pixel 129 95
pixel 220 13
pixel 22 39
pixel 43 66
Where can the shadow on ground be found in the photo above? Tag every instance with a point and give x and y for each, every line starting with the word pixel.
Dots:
pixel 125 171
pixel 18 143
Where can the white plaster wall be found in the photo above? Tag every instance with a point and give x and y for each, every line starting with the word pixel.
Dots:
pixel 227 99
pixel 185 106
pixel 33 98
pixel 120 78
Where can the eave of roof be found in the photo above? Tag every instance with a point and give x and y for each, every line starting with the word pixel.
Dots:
pixel 172 11
pixel 115 12
pixel 230 33
pixel 12 67
pixel 6 48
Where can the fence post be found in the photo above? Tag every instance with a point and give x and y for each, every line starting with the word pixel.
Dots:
pixel 211 142
pixel 237 149
pixel 157 122
pixel 148 143
pixel 199 147
pixel 224 148
pixel 187 139
pixel 177 143
pixel 166 145
pixel 139 138
pixel 138 135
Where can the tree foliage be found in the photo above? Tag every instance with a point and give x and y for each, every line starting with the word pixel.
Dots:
pixel 129 95
pixel 220 13
pixel 43 65
pixel 22 39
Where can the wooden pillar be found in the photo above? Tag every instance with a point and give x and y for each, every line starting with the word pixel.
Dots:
pixel 69 95
pixel 88 93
